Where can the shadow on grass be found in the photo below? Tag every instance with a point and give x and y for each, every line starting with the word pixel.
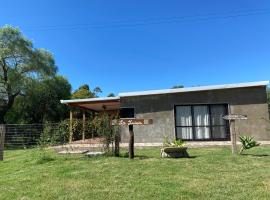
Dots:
pixel 255 155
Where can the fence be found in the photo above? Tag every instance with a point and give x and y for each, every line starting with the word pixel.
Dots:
pixel 18 136
pixel 26 135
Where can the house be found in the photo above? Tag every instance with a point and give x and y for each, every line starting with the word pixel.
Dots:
pixel 192 114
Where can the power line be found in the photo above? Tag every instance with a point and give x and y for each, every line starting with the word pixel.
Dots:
pixel 154 21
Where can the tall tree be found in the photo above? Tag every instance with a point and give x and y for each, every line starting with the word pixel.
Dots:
pixel 20 63
pixel 84 92
pixel 41 102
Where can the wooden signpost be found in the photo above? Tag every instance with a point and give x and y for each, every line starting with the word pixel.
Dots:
pixel 231 118
pixel 130 122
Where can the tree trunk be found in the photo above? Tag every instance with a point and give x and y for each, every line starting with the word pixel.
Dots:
pixel 2 116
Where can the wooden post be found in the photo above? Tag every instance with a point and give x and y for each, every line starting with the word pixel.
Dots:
pixel 117 143
pixel 131 142
pixel 2 140
pixel 233 136
pixel 83 133
pixel 70 126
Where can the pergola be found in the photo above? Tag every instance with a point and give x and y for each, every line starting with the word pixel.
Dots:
pixel 110 105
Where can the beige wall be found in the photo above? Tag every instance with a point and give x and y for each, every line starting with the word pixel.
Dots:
pixel 257 124
pixel 250 101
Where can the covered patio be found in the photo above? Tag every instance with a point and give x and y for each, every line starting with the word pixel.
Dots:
pixel 109 105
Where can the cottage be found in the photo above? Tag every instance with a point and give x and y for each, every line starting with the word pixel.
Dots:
pixel 192 114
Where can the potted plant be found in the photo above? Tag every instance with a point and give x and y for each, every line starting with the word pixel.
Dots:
pixel 174 149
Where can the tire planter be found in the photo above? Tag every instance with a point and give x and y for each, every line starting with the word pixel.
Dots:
pixel 174 152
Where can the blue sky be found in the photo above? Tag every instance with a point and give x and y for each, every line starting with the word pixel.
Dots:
pixel 123 45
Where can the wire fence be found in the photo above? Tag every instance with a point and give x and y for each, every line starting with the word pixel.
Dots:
pixel 27 135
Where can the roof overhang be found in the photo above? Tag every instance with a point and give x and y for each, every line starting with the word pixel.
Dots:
pixel 95 104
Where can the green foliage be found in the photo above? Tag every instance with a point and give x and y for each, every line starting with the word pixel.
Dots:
pixel 247 143
pixel 174 143
pixel 53 134
pixel 178 143
pixel 103 128
pixel 84 92
pixel 41 102
pixel 111 95
pixel 20 63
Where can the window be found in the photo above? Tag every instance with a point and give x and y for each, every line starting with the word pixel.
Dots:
pixel 201 122
pixel 127 113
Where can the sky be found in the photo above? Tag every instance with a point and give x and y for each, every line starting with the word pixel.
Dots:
pixel 124 46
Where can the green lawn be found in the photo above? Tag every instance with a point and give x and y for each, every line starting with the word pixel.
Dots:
pixel 213 173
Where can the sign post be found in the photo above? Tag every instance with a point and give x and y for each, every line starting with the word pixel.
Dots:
pixel 130 122
pixel 131 142
pixel 232 118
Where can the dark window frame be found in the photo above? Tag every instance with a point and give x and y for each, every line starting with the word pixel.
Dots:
pixel 210 126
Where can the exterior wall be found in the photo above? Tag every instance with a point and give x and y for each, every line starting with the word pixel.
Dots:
pixel 250 101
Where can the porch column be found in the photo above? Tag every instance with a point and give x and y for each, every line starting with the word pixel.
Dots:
pixel 70 126
pixel 83 131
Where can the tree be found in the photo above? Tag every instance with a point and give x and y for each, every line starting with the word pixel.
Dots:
pixel 20 63
pixel 177 86
pixel 111 95
pixel 41 102
pixel 84 92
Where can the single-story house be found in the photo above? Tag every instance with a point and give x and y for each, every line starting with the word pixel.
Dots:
pixel 192 113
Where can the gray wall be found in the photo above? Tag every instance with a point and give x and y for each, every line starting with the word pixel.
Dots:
pixel 250 101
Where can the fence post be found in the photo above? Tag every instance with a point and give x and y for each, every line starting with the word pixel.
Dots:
pixel 2 140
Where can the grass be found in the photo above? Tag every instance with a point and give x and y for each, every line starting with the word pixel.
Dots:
pixel 213 173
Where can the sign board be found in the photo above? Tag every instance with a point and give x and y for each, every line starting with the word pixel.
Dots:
pixel 131 121
pixel 235 117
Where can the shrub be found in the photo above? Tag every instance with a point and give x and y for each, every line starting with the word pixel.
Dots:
pixel 247 143
pixel 174 143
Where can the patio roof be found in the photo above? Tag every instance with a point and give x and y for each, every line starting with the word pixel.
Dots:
pixel 95 104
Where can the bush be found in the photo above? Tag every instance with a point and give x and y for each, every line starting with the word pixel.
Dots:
pixel 174 143
pixel 53 134
pixel 247 143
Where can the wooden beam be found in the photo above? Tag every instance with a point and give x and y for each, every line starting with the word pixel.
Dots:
pixel 2 140
pixel 233 136
pixel 131 142
pixel 70 126
pixel 83 133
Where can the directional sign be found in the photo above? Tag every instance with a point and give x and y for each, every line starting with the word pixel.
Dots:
pixel 235 117
pixel 131 121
